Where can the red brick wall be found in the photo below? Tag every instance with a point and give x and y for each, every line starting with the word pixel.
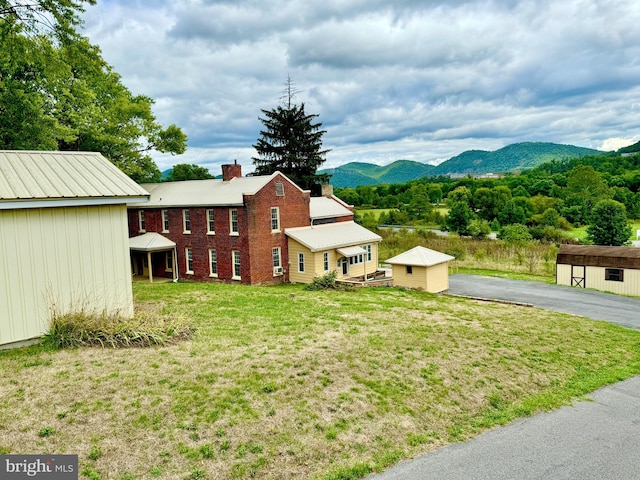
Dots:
pixel 255 240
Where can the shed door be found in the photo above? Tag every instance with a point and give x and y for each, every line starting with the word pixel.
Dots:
pixel 578 274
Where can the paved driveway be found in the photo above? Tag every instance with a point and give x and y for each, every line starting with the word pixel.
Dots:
pixel 590 440
pixel 616 309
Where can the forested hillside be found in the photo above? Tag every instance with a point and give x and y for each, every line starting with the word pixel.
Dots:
pixel 515 157
pixel 512 158
pixel 540 203
pixel 358 173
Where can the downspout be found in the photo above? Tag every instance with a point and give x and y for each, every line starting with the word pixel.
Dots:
pixel 175 264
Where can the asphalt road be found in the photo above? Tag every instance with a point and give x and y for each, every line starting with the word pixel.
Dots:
pixel 594 440
pixel 616 309
pixel 589 440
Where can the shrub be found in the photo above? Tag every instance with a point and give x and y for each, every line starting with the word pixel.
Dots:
pixel 323 282
pixel 87 329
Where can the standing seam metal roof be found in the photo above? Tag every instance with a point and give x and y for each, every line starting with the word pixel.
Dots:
pixel 191 193
pixel 32 175
pixel 332 235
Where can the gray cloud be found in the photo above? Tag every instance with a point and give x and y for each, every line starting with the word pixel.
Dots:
pixel 412 79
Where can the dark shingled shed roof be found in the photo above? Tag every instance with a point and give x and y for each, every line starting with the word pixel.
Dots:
pixel 599 256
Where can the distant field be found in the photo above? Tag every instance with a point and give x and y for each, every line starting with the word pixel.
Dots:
pixel 376 212
pixel 581 232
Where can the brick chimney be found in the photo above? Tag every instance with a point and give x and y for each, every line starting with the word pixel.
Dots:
pixel 230 171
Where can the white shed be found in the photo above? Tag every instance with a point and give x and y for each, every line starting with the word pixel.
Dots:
pixel 64 243
pixel 421 268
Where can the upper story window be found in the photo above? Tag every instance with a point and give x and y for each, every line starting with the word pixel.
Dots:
pixel 141 223
pixel 275 219
pixel 165 220
pixel 279 189
pixel 211 224
pixel 233 221
pixel 186 221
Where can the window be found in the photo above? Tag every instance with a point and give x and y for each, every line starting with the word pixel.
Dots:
pixel 141 223
pixel 188 254
pixel 356 259
pixel 213 263
pixel 186 221
pixel 279 189
pixel 211 224
pixel 168 261
pixel 277 264
pixel 275 219
pixel 368 249
pixel 325 261
pixel 301 262
pixel 614 274
pixel 236 264
pixel 165 220
pixel 409 270
pixel 233 220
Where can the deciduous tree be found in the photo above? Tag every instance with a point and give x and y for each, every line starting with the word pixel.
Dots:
pixel 609 225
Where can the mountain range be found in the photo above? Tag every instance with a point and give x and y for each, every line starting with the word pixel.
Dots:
pixel 512 158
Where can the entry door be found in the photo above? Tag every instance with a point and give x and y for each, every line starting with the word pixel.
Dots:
pixel 578 276
pixel 145 266
pixel 345 266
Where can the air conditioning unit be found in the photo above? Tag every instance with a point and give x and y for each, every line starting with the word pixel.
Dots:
pixel 278 271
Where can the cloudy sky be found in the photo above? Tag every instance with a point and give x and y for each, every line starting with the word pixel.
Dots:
pixel 419 80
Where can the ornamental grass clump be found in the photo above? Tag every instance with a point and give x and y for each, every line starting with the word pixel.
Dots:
pixel 90 329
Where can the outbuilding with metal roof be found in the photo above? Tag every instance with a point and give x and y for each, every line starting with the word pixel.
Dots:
pixel 421 268
pixel 63 239
pixel 610 269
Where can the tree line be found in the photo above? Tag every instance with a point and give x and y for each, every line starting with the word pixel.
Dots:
pixel 542 203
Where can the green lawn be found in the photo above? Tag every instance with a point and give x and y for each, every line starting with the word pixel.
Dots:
pixel 280 382
pixel 581 232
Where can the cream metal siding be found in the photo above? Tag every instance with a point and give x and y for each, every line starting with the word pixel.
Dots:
pixel 595 278
pixel 630 285
pixel 58 260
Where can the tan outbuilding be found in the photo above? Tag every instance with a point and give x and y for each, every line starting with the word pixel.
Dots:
pixel 421 268
pixel 64 243
pixel 611 269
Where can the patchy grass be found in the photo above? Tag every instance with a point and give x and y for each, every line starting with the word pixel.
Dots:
pixel 280 382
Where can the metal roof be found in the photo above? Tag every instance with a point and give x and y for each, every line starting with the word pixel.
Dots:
pixel 420 257
pixel 325 207
pixel 28 176
pixel 351 251
pixel 150 242
pixel 599 256
pixel 193 193
pixel 332 235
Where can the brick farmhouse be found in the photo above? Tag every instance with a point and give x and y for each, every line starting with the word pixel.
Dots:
pixel 235 229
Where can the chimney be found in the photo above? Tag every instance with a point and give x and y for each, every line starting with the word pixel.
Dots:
pixel 230 171
pixel 327 190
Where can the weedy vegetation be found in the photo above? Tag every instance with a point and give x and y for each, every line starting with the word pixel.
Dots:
pixel 283 382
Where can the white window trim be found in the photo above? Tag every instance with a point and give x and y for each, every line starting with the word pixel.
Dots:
pixel 277 211
pixel 186 260
pixel 279 189
pixel 211 274
pixel 276 254
pixel 209 231
pixel 185 214
pixel 369 253
pixel 233 232
pixel 325 261
pixel 141 222
pixel 301 263
pixel 164 213
pixel 233 265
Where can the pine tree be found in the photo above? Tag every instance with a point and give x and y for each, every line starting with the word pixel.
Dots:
pixel 291 143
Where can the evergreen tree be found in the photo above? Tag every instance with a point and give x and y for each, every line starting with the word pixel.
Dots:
pixel 609 224
pixel 291 143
